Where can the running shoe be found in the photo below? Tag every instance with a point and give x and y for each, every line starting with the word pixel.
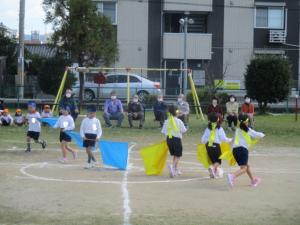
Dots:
pixel 88 166
pixel 44 144
pixel 256 181
pixel 63 160
pixel 211 171
pixel 230 179
pixel 94 164
pixel 171 171
pixel 28 150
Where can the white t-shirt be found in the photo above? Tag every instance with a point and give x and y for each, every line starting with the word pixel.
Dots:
pixel 181 128
pixel 33 122
pixel 19 119
pixel 65 122
pixel 90 126
pixel 220 136
pixel 8 118
pixel 46 114
pixel 242 142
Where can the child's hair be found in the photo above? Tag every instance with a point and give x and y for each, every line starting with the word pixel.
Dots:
pixel 243 119
pixel 18 111
pixel 172 110
pixel 213 118
pixel 232 96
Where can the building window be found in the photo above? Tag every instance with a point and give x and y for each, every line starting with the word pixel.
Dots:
pixel 108 9
pixel 269 17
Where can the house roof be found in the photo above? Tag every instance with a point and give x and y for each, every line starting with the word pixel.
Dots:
pixel 41 50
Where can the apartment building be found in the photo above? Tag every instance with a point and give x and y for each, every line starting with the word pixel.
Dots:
pixel 224 35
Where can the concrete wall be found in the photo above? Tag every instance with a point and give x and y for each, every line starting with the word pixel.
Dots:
pixel 238 38
pixel 188 5
pixel 132 32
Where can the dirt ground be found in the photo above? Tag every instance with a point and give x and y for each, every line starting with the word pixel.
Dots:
pixel 36 189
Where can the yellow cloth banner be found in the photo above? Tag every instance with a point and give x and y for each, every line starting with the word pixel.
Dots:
pixel 203 157
pixel 155 158
pixel 212 134
pixel 171 125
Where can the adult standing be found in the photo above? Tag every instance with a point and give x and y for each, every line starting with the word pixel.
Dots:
pixel 160 110
pixel 232 110
pixel 113 110
pixel 135 111
pixel 183 109
pixel 69 101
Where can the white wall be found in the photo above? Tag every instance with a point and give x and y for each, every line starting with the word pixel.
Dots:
pixel 132 22
pixel 238 38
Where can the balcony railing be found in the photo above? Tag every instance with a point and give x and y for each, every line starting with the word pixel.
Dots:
pixel 198 46
pixel 188 5
pixel 277 36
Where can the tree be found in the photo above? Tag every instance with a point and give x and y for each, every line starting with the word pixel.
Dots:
pixel 8 48
pixel 267 80
pixel 85 34
pixel 50 71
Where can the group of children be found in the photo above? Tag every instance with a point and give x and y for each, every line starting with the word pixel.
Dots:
pixel 6 119
pixel 173 128
pixel 213 136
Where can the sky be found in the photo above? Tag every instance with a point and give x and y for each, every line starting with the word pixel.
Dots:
pixel 34 15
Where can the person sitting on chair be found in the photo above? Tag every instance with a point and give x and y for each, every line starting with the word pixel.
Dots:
pixel 160 110
pixel 135 111
pixel 183 109
pixel 113 110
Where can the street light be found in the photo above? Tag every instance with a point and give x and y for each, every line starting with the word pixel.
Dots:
pixel 185 22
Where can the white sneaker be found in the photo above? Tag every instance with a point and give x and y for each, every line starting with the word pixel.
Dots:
pixel 220 173
pixel 88 166
pixel 171 171
pixel 94 164
pixel 63 160
pixel 211 171
pixel 178 172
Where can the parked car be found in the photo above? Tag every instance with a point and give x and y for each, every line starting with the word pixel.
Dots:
pixel 118 82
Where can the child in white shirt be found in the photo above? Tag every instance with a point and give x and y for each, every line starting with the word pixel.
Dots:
pixel 242 142
pixel 213 136
pixel 65 123
pixel 173 128
pixel 34 127
pixel 90 131
pixel 6 119
pixel 19 118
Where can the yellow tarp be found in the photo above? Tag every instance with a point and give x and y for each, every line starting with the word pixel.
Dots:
pixel 155 157
pixel 203 157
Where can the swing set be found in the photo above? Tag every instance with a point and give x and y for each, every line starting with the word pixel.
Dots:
pixel 196 100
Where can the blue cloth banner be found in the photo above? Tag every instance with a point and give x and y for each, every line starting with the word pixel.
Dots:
pixel 76 138
pixel 114 154
pixel 51 121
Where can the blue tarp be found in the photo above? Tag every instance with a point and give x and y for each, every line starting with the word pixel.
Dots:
pixel 51 121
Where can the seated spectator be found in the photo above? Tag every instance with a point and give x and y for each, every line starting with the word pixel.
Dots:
pixel 19 118
pixel 160 110
pixel 214 107
pixel 232 110
pixel 113 110
pixel 46 113
pixel 6 119
pixel 135 111
pixel 1 105
pixel 183 109
pixel 248 108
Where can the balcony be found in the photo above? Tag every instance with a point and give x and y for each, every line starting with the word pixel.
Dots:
pixel 277 36
pixel 188 5
pixel 198 46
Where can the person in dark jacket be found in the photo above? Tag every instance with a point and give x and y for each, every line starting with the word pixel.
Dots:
pixel 135 111
pixel 160 110
pixel 214 107
pixel 69 101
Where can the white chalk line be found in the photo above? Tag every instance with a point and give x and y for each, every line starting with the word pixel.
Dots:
pixel 125 193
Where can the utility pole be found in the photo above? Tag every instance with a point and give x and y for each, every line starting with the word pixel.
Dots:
pixel 21 50
pixel 185 22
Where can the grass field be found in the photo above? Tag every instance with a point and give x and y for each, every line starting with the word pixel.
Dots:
pixel 36 189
